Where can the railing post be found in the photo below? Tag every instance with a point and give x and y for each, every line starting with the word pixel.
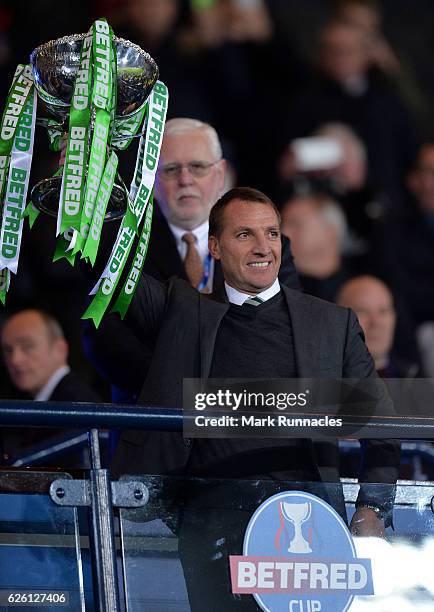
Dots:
pixel 102 532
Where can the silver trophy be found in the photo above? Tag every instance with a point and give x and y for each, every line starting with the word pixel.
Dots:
pixel 55 65
pixel 297 514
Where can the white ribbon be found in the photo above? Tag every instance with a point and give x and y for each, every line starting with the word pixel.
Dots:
pixel 16 189
pixel 141 185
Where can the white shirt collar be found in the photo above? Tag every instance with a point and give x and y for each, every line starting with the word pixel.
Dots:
pixel 201 234
pixel 238 298
pixel 44 394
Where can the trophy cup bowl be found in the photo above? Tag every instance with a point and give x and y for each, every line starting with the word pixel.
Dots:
pixel 54 66
pixel 297 514
pixel 56 62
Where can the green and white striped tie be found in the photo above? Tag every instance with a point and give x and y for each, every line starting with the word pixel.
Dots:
pixel 253 301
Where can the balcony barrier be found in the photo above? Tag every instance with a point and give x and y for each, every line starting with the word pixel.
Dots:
pixel 79 541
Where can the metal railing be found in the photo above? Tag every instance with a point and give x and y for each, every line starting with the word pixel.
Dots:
pixel 101 495
pixel 153 418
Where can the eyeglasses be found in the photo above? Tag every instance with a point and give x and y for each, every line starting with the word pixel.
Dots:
pixel 198 169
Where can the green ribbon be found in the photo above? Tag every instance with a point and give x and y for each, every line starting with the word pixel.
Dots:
pixel 104 96
pixel 104 191
pixel 114 92
pixel 32 213
pixel 55 134
pixel 99 77
pixel 77 145
pixel 102 62
pixel 17 186
pixel 19 91
pixel 144 177
pixel 4 284
pixel 126 129
pixel 63 247
pixel 126 295
pixel 95 172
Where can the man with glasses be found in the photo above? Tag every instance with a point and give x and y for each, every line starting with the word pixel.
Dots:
pixel 190 179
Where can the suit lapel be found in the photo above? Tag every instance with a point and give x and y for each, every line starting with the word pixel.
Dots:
pixel 212 309
pixel 306 322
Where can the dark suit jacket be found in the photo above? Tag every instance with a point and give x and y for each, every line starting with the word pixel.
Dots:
pixel 182 325
pixel 73 389
pixel 70 389
pixel 124 361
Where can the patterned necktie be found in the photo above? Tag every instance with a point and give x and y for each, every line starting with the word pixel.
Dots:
pixel 192 263
pixel 253 301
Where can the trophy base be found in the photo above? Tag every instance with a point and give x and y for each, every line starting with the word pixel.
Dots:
pixel 46 194
pixel 301 547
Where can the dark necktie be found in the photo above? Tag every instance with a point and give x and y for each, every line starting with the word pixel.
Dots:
pixel 193 262
pixel 253 301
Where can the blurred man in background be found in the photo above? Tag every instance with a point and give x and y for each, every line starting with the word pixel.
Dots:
pixel 36 357
pixel 372 302
pixel 317 229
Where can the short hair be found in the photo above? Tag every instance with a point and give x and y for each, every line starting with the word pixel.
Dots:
pixel 349 284
pixel 245 194
pixel 328 209
pixel 181 125
pixel 52 326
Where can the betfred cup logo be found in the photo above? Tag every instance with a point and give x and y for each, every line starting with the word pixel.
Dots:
pixel 299 556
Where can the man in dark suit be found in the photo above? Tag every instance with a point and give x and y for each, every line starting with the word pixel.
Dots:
pixel 190 178
pixel 286 335
pixel 36 357
pixel 374 305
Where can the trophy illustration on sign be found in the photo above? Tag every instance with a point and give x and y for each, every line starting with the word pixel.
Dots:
pixel 297 514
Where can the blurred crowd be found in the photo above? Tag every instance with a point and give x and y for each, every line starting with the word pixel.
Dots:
pixel 332 121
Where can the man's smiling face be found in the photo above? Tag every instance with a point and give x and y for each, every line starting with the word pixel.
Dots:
pixel 249 246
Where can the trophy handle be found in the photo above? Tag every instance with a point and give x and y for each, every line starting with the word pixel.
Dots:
pixel 309 512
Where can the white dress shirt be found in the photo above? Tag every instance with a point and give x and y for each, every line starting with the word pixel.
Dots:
pixel 238 298
pixel 44 394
